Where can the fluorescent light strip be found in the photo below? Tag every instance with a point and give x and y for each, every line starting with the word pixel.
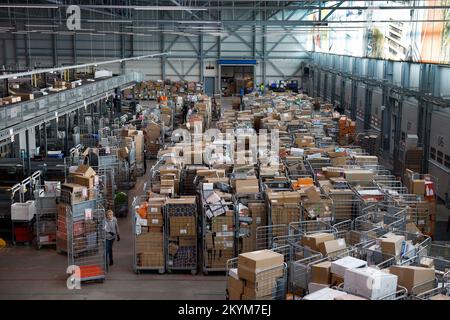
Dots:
pixel 199 22
pixel 135 27
pixel 27 6
pixel 110 21
pixel 42 25
pixel 80 66
pixel 170 8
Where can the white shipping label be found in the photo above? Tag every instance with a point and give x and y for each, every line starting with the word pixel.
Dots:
pixel 155 221
pixel 87 214
pixel 138 230
pixel 141 222
pixel 84 193
pixel 224 227
pixel 258 220
pixel 183 231
pixel 341 242
pixel 421 222
pixel 96 180
pixel 153 210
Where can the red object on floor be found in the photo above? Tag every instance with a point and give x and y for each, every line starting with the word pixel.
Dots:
pixel 23 234
pixel 91 271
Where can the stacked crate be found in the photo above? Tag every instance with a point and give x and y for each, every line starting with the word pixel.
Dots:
pixel 347 130
pixel 181 234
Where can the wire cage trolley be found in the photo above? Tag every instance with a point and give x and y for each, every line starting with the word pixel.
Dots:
pixel 86 243
pixel 148 234
pixel 268 284
pixel 218 232
pixel 181 234
pixel 46 215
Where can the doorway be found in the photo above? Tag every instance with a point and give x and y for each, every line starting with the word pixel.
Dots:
pixel 210 86
pixel 235 77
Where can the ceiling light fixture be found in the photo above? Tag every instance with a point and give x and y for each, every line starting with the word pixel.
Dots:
pixel 170 8
pixel 42 25
pixel 27 6
pixel 110 21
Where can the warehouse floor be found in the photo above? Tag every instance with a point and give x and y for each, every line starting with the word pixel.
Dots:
pixel 27 273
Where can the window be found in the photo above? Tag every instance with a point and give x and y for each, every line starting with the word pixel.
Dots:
pixel 440 157
pixel 447 161
pixel 433 153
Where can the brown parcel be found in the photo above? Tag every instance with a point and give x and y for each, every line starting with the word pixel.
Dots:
pixel 415 279
pixel 247 186
pixel 320 272
pixel 392 245
pixel 331 246
pixel 312 194
pixel 312 241
pixel 261 259
pixel 182 226
pixel 236 284
pixel 440 297
pixel 265 282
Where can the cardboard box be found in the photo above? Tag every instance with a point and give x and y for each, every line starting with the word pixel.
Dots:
pixel 313 287
pixel 312 194
pixel 77 193
pixel 235 283
pixel 392 245
pixel 339 266
pixel 155 220
pixel 321 272
pixel 182 226
pixel 312 240
pixel 247 186
pixel 336 280
pixel 258 276
pixel 85 171
pixel 187 241
pixel 415 279
pixel 261 259
pixel 370 283
pixel 440 297
pixel 324 294
pixel 418 187
pixel 331 246
pixel 426 262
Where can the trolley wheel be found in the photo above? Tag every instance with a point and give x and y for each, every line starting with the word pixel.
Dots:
pixel 205 272
pixel 137 271
pixel 193 272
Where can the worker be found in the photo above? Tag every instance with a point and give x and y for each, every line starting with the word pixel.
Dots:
pixel 145 160
pixel 190 111
pixel 112 232
pixel 185 111
pixel 261 88
pixel 241 94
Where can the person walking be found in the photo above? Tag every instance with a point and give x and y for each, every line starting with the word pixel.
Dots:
pixel 241 94
pixel 112 232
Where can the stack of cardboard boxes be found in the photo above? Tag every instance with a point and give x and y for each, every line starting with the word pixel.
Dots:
pixel 259 276
pixel 251 217
pixel 347 129
pixel 150 233
pixel 182 233
pixel 152 136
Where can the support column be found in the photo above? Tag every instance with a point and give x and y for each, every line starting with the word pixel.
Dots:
pixel 201 60
pixel 66 134
pixel 28 160
pixel 45 140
